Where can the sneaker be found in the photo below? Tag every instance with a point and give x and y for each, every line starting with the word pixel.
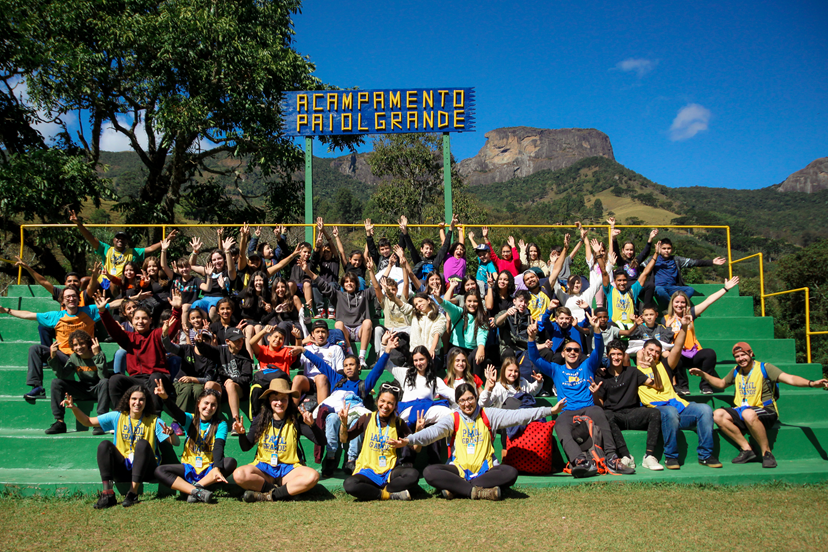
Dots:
pixel 98 431
pixel 105 500
pixel 362 362
pixel 331 312
pixel 484 493
pixel 711 462
pixel 130 499
pixel 683 391
pixel 554 391
pixel 744 457
pixel 544 393
pixel 616 465
pixel 320 312
pixel 57 427
pixel 256 496
pixel 348 467
pixel 672 463
pixel 768 461
pixel 177 429
pixel 628 461
pixel 36 393
pixel 401 495
pixel 706 390
pixel 580 466
pixel 200 494
pixel 651 463
pixel 448 495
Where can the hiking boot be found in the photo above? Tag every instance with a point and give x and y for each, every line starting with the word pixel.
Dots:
pixel 131 499
pixel 616 465
pixel 98 431
pixel 651 463
pixel 483 493
pixel 744 457
pixel 199 494
pixel 628 461
pixel 105 500
pixel 684 391
pixel 711 462
pixel 256 496
pixel 580 466
pixel 672 463
pixel 348 467
pixel 57 427
pixel 328 467
pixel 36 393
pixel 448 495
pixel 401 495
pixel 768 461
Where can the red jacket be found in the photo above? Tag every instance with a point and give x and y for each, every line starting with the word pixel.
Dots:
pixel 512 266
pixel 145 353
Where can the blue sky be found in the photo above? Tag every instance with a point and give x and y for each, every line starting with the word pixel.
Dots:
pixel 726 94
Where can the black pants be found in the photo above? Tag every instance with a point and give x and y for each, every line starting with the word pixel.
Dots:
pixel 446 476
pixel 112 463
pixel 646 295
pixel 38 356
pixel 80 391
pixel 119 383
pixel 634 418
pixel 563 427
pixel 400 479
pixel 167 473
pixel 704 360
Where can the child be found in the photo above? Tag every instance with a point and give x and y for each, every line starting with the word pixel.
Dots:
pixel 88 363
pixel 235 369
pixel 510 383
pixel 196 372
pixel 276 355
pixel 459 370
pixel 331 354
pixel 646 327
pixel 469 327
pixel 517 320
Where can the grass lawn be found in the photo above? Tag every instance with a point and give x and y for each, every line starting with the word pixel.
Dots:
pixel 615 517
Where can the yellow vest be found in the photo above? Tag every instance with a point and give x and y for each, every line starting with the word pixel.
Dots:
pixel 279 446
pixel 471 446
pixel 649 396
pixel 623 308
pixel 202 448
pixel 375 448
pixel 749 387
pixel 114 261
pixel 129 431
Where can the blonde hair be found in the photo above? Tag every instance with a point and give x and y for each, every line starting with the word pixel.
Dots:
pixel 670 313
pixel 508 361
pixel 451 375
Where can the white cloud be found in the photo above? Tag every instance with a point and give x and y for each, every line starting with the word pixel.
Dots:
pixel 45 124
pixel 639 66
pixel 690 120
pixel 112 140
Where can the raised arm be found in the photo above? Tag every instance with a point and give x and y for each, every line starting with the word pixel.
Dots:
pixel 369 268
pixel 559 261
pixel 35 275
pixel 728 285
pixel 165 244
pixel 404 266
pixel 578 244
pixel 284 262
pixel 650 266
pixel 93 241
pixel 244 237
pixel 674 356
pixel 340 249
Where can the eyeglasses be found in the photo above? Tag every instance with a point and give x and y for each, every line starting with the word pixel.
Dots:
pixel 572 350
pixel 467 401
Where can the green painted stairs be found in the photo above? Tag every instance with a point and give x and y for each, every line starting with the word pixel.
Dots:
pixel 34 463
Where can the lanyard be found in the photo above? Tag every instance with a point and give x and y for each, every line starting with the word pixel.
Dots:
pixel 199 440
pixel 383 436
pixel 743 385
pixel 132 432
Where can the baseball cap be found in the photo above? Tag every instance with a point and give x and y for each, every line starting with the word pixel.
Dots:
pixel 233 334
pixel 481 247
pixel 744 347
pixel 121 235
pixel 319 324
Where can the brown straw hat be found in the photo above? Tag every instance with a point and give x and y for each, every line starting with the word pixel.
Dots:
pixel 279 385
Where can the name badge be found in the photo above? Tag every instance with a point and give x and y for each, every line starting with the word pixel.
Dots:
pixel 383 462
pixel 274 459
pixel 744 402
pixel 199 463
pixel 470 448
pixel 131 457
pixel 114 271
pixel 624 316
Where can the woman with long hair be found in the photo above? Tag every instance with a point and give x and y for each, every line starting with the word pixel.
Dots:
pixel 132 455
pixel 469 328
pixel 278 470
pixel 427 324
pixel 459 370
pixel 421 389
pixel 377 474
pixel 203 462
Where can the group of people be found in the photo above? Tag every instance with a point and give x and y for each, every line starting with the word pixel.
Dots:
pixel 242 326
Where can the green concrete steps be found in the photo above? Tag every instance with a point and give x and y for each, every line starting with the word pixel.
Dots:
pixel 27 291
pixel 734 328
pixel 17 353
pixel 32 304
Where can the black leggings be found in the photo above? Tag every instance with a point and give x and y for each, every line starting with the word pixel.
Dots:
pixel 446 476
pixel 704 360
pixel 112 463
pixel 167 473
pixel 400 479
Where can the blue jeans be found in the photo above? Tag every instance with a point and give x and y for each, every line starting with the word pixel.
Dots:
pixel 699 415
pixel 332 424
pixel 665 292
pixel 119 362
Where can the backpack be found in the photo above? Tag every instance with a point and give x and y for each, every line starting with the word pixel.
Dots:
pixel 588 436
pixel 765 376
pixel 531 452
pixel 457 427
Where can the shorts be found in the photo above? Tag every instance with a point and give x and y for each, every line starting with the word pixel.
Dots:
pixel 192 477
pixel 353 332
pixel 206 302
pixel 766 417
pixel 378 479
pixel 276 472
pixel 301 284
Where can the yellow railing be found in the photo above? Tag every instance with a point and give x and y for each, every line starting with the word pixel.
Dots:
pixel 808 332
pixel 761 276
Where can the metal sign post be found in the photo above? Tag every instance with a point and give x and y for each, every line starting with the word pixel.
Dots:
pixel 447 176
pixel 309 189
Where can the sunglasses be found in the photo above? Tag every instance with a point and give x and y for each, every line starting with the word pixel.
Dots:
pixel 572 350
pixel 387 387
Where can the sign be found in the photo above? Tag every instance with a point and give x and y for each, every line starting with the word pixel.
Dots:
pixel 329 112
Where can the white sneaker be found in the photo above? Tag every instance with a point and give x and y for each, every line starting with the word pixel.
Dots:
pixel 628 461
pixel 651 463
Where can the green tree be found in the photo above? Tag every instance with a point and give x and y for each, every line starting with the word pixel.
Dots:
pixel 183 81
pixel 412 165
